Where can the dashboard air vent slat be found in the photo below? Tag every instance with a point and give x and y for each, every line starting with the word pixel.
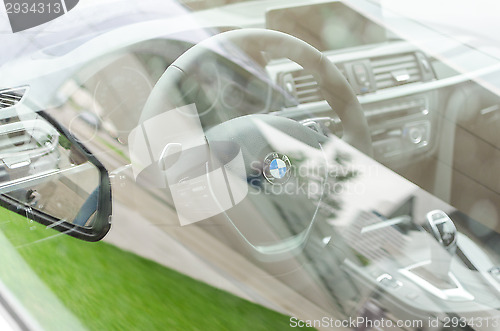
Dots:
pixel 397 70
pixel 10 97
pixel 306 87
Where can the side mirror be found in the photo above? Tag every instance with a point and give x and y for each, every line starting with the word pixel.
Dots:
pixel 51 178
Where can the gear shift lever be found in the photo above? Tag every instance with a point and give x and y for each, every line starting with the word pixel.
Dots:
pixel 436 276
pixel 445 232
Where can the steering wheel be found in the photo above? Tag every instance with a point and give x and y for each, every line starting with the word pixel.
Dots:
pixel 266 147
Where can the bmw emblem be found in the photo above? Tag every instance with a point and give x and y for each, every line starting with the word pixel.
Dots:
pixel 277 168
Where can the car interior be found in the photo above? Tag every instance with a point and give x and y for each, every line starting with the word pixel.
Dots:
pixel 428 121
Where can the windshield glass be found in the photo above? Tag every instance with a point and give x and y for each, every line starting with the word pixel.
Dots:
pixel 329 164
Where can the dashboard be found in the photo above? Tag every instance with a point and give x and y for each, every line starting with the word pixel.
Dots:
pixel 401 126
pixel 373 60
pixel 402 89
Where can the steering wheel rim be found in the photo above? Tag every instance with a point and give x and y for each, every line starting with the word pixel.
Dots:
pixel 167 94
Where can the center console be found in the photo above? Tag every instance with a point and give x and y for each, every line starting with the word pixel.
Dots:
pixel 402 127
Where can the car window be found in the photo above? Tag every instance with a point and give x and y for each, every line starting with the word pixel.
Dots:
pixel 252 165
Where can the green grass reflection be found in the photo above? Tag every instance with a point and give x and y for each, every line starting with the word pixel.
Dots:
pixel 107 288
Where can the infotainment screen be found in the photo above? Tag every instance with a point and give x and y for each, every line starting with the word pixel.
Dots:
pixel 326 26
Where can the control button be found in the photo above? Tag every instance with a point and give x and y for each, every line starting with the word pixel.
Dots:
pixel 437 215
pixel 415 134
pixel 360 73
pixel 425 63
pixel 289 86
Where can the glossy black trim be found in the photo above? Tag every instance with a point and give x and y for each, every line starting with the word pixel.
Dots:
pixel 102 220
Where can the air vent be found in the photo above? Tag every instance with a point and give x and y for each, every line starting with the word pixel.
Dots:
pixel 21 143
pixel 390 71
pixel 306 87
pixel 10 97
